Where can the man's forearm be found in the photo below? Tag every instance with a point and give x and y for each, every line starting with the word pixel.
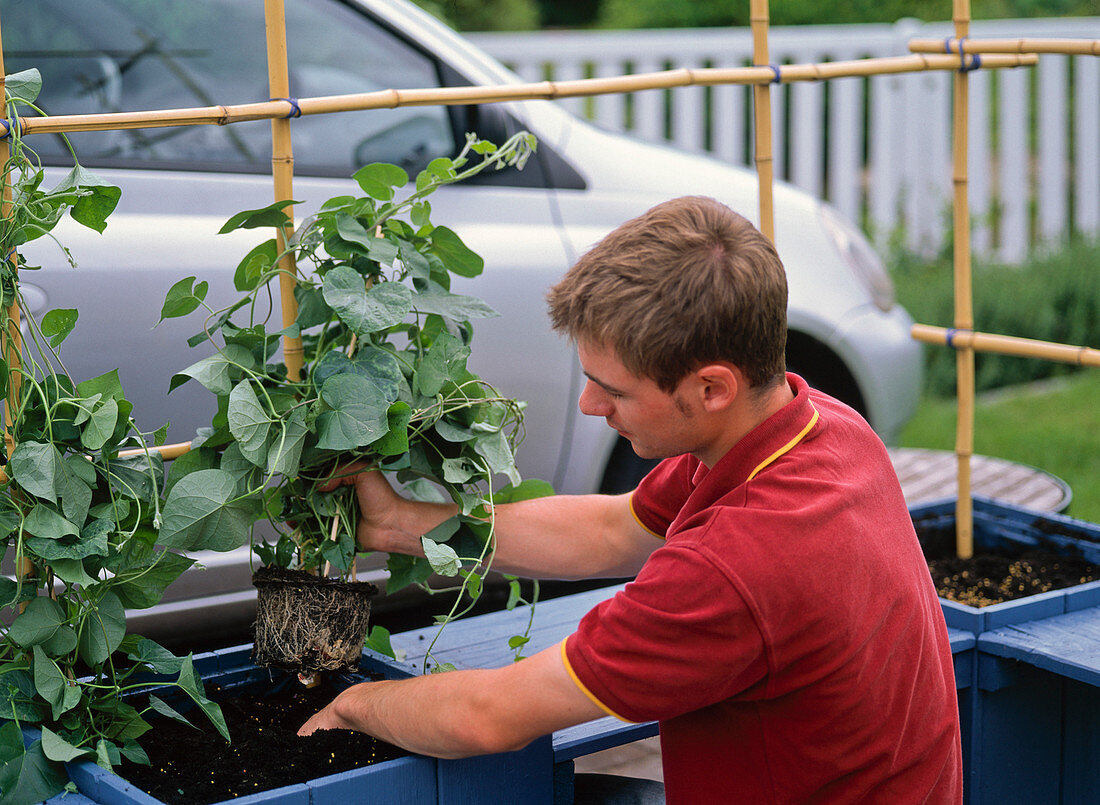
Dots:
pixel 564 536
pixel 425 715
pixel 463 713
pixel 571 537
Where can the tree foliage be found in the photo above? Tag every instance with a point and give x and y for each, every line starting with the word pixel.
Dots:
pixel 707 13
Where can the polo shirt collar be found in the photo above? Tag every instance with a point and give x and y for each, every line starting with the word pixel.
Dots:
pixel 773 437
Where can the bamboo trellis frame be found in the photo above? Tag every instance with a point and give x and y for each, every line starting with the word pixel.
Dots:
pixel 540 90
pixel 282 171
pixel 762 115
pixel 11 339
pixel 1069 47
pixel 964 306
pixel 962 336
pixel 1000 54
pixel 1007 345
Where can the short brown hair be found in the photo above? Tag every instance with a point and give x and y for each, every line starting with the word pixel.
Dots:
pixel 686 283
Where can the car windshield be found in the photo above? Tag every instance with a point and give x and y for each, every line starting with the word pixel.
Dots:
pixel 130 55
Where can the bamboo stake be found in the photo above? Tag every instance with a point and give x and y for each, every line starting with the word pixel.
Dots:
pixel 11 339
pixel 167 451
pixel 542 90
pixel 762 111
pixel 1070 47
pixel 964 307
pixel 1006 345
pixel 282 168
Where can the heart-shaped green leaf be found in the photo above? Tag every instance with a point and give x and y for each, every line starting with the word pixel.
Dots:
pixel 203 512
pixel 357 413
pixel 249 423
pixel 366 311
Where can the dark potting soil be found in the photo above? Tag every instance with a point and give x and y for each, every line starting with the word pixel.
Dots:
pixel 197 767
pixel 986 579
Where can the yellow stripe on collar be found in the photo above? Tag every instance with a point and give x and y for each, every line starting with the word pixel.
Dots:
pixel 787 447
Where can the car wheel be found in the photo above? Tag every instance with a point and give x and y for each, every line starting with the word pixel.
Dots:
pixel 823 370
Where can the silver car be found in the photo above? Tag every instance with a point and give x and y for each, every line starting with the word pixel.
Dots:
pixel 179 185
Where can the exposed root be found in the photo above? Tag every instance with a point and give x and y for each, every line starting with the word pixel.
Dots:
pixel 305 623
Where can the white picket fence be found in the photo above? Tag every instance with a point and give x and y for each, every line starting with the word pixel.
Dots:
pixel 878 148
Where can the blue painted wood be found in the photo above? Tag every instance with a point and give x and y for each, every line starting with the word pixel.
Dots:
pixel 104 787
pixel 65 798
pixel 525 776
pixel 482 641
pixel 595 736
pixel 396 782
pixel 1068 645
pixel 1081 743
pixel 1018 757
pixel 962 655
pixel 298 794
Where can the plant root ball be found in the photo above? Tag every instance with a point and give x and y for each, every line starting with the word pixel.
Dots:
pixel 308 623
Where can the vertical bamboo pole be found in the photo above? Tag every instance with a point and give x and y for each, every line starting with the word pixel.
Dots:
pixel 762 110
pixel 964 308
pixel 11 339
pixel 282 168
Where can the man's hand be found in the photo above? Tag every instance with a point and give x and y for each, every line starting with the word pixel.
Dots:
pixel 327 719
pixel 387 521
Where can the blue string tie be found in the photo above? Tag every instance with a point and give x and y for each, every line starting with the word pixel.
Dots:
pixel 975 58
pixel 778 76
pixel 952 333
pixel 295 109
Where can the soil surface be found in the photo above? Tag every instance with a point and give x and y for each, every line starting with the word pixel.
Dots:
pixel 197 766
pixel 990 579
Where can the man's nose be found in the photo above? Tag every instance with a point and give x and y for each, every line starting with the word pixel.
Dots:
pixel 594 401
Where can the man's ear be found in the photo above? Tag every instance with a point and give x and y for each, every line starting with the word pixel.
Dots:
pixel 718 385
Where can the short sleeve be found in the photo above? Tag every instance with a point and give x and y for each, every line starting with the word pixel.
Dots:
pixel 662 493
pixel 677 639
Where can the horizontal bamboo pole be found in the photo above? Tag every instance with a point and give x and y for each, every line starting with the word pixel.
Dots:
pixel 542 90
pixel 167 452
pixel 1006 345
pixel 1073 47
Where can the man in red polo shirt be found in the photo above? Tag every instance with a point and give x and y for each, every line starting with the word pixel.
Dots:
pixel 782 626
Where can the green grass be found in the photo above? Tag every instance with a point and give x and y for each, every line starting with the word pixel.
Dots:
pixel 1052 425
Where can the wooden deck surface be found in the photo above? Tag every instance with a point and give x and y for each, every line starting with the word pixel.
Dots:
pixel 928 475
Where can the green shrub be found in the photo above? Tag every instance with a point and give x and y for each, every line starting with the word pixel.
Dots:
pixel 485 15
pixel 1051 298
pixel 701 13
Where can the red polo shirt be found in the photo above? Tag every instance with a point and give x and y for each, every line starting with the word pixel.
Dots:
pixel 787 636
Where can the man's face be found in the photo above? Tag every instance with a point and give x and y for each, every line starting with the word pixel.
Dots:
pixel 656 423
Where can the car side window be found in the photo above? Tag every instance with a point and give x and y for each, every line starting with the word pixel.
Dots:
pixel 129 55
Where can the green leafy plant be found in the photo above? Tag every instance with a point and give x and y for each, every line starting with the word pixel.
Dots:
pixel 384 384
pixel 79 509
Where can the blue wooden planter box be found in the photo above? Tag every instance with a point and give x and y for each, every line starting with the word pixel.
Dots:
pixel 1030 706
pixel 413 780
pixel 997 525
pixel 1027 674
